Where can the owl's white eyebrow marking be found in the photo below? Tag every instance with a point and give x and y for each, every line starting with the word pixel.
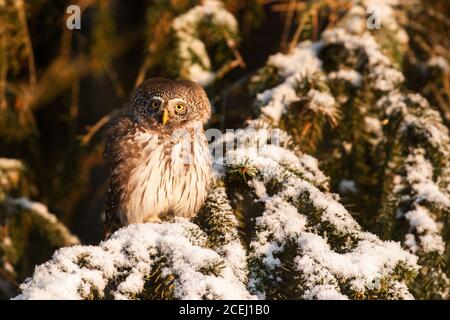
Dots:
pixel 177 100
pixel 157 98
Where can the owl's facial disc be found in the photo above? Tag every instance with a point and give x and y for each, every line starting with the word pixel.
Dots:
pixel 170 104
pixel 168 113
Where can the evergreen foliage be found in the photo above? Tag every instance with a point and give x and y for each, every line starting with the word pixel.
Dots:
pixel 338 188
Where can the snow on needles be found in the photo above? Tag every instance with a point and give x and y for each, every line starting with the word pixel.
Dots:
pixel 41 211
pixel 361 262
pixel 417 174
pixel 196 64
pixel 303 62
pixel 117 268
pixel 417 183
pixel 294 67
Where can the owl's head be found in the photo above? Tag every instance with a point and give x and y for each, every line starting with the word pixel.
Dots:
pixel 170 103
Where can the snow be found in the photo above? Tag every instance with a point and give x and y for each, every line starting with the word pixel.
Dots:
pixel 278 99
pixel 374 127
pixel 135 248
pixel 8 164
pixel 293 67
pixel 382 75
pixel 201 76
pixel 419 172
pixel 364 260
pixel 386 79
pixel 349 75
pixel 439 62
pixel 353 42
pixel 362 265
pixel 419 177
pixel 420 220
pixel 301 60
pixel 321 102
pixel 354 21
pixel 324 292
pixel 427 193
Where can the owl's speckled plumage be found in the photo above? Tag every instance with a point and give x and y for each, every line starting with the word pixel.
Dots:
pixel 159 165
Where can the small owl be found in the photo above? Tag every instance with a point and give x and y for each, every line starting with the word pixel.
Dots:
pixel 157 155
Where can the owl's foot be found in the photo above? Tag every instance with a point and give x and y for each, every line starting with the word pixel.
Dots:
pixel 152 219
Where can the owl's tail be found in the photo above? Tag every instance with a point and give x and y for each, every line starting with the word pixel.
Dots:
pixel 110 225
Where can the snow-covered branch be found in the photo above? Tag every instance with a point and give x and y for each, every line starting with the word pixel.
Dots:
pixel 195 62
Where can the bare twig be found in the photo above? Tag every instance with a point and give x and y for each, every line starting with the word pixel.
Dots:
pixel 232 45
pixel 438 16
pixel 446 83
pixel 288 24
pixel 142 71
pixel 442 105
pixel 315 24
pixel 118 88
pixel 87 137
pixel 28 45
pixel 297 34
pixel 227 68
pixel 73 111
pixel 238 61
pixel 283 7
pixel 3 72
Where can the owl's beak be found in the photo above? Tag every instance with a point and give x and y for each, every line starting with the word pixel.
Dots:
pixel 165 116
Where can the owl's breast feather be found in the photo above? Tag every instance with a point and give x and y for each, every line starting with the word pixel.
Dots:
pixel 167 177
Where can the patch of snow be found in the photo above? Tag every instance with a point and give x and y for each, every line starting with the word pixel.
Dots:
pixel 348 75
pixel 439 62
pixel 294 67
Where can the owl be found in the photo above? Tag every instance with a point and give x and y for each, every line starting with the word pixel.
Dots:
pixel 157 155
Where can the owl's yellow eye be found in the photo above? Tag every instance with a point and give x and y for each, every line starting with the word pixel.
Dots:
pixel 179 107
pixel 155 104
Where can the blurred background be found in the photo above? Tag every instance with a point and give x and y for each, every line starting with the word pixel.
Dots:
pixel 59 87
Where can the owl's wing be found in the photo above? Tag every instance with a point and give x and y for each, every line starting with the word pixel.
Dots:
pixel 115 154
